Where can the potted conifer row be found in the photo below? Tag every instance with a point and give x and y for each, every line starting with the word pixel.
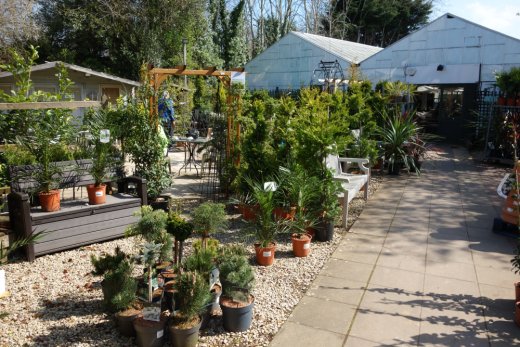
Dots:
pixel 119 288
pixel 149 326
pixel 193 291
pixel 237 279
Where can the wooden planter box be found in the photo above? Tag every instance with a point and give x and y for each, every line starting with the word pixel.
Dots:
pixel 76 223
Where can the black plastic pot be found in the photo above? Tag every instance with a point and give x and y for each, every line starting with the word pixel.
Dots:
pixel 324 231
pixel 185 337
pixel 149 334
pixel 125 324
pixel 237 319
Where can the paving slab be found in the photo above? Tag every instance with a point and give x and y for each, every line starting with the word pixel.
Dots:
pixel 420 267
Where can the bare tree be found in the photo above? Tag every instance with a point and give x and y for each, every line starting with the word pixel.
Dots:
pixel 17 23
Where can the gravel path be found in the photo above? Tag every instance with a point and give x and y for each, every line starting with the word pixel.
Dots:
pixel 55 301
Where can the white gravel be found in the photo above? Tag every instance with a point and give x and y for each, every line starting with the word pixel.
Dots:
pixel 55 301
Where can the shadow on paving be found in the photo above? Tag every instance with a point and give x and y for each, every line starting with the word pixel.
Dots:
pixel 69 306
pixel 462 317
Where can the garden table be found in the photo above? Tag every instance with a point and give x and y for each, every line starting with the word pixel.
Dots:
pixel 191 146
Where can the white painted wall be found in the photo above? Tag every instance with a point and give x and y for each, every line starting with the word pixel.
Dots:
pixel 466 50
pixel 287 64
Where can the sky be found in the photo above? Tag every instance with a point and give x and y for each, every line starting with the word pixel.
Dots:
pixel 499 15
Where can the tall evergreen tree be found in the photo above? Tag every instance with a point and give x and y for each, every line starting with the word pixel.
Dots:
pixel 375 22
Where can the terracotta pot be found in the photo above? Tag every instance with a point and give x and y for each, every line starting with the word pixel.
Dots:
pixel 284 213
pixel 517 291
pixel 265 255
pixel 511 101
pixel 501 101
pixel 97 194
pixel 50 201
pixel 301 244
pixel 248 211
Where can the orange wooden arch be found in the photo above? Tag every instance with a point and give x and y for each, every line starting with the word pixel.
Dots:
pixel 157 76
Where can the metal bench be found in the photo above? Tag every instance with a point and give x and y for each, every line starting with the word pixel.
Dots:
pixel 351 183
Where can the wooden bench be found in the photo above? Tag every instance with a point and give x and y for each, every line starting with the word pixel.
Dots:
pixel 77 223
pixel 352 183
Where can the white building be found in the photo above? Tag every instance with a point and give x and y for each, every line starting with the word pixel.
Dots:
pixel 290 62
pixel 449 50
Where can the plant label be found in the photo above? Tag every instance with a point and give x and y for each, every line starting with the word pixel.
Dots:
pixel 160 334
pixel 155 283
pixel 214 277
pixel 306 246
pixel 99 193
pixel 152 313
pixel 2 282
pixel 104 136
pixel 270 186
pixel 266 254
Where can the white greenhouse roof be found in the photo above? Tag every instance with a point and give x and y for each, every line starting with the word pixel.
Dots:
pixel 350 51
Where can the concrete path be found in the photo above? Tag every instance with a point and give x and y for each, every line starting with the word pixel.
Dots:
pixel 420 267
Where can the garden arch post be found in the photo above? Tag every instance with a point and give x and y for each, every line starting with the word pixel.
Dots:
pixel 158 75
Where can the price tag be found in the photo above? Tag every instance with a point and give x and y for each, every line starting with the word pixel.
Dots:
pixel 266 254
pixel 152 313
pixel 100 193
pixel 160 334
pixel 306 245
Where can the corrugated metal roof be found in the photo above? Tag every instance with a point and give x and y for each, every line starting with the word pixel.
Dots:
pixel 52 65
pixel 351 51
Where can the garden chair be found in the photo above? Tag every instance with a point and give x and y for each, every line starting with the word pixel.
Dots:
pixel 351 183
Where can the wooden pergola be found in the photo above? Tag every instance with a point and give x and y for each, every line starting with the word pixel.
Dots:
pixel 158 75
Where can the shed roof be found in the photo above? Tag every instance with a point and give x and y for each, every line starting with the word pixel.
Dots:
pixel 52 64
pixel 350 51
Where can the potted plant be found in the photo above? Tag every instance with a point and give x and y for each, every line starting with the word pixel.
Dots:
pixel 209 218
pixel 99 148
pixel 237 278
pixel 326 207
pixel 193 291
pixel 266 226
pixel 119 288
pixel 152 228
pixel 399 133
pixel 181 230
pixel 149 326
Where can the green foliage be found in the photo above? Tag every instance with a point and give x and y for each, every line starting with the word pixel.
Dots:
pixel 209 218
pixel 40 132
pixel 152 228
pixel 396 135
pixel 145 145
pixel 237 276
pixel 101 153
pixel 258 157
pixel 374 22
pixel 178 227
pixel 20 242
pixel 212 246
pixel 119 287
pixel 17 155
pixel 201 261
pixel 193 293
pixel 265 225
pixel 509 81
